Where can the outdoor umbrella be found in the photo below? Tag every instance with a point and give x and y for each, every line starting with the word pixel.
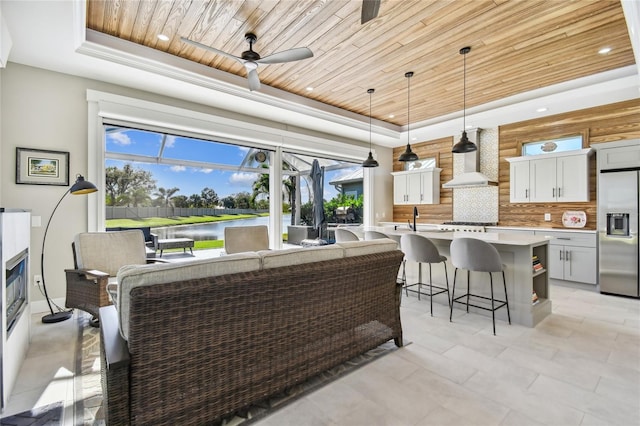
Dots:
pixel 318 204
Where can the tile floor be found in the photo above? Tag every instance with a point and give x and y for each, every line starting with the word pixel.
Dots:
pixel 580 366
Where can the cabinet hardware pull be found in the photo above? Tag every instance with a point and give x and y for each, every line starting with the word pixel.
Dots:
pixel 559 193
pixel 564 238
pixel 561 255
pixel 554 192
pixel 526 193
pixel 568 256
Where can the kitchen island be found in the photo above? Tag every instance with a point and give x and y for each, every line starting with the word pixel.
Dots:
pixel 516 251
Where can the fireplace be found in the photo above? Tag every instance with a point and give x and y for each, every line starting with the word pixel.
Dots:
pixel 16 275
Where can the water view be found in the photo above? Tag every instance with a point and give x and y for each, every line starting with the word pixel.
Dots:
pixel 214 230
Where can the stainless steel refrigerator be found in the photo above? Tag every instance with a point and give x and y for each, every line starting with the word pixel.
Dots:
pixel 618 231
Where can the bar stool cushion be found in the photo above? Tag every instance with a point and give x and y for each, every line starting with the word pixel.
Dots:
pixel 475 255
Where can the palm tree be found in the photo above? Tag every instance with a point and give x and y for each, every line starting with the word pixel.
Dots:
pixel 165 195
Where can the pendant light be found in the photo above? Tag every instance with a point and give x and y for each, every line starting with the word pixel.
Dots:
pixel 465 145
pixel 408 155
pixel 370 161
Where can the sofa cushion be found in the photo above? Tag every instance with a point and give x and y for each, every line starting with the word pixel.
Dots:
pixel 132 276
pixel 297 256
pixel 360 248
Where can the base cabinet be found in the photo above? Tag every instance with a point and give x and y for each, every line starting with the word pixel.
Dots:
pixel 572 257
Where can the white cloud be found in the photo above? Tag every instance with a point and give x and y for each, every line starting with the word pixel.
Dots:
pixel 242 178
pixel 119 138
pixel 170 141
pixel 178 169
pixel 206 171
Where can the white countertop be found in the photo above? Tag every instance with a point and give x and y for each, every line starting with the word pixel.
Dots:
pixel 427 226
pixel 504 238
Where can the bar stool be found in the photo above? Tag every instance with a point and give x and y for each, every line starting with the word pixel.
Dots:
pixel 476 255
pixel 375 235
pixel 345 235
pixel 419 249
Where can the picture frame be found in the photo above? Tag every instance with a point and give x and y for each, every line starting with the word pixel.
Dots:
pixel 42 167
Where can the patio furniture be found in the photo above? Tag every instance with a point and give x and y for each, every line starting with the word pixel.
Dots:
pixel 192 342
pixel 239 239
pixel 97 257
pixel 172 243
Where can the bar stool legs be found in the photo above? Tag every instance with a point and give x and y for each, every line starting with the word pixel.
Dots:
pixel 493 300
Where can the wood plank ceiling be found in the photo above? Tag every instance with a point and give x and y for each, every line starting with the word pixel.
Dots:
pixel 517 46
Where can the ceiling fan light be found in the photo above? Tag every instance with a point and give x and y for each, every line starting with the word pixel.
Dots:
pixel 465 145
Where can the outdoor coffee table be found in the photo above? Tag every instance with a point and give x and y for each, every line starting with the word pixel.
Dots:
pixel 170 243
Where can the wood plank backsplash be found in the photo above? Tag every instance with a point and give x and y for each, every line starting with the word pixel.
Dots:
pixel 606 123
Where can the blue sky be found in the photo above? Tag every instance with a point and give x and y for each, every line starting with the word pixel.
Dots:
pixel 188 179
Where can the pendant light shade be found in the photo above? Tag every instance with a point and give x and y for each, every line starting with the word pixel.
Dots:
pixel 408 155
pixel 465 145
pixel 370 161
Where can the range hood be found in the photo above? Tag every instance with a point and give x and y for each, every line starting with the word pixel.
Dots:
pixel 471 176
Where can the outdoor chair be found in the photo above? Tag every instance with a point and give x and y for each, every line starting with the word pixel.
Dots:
pixel 345 235
pixel 238 239
pixel 97 257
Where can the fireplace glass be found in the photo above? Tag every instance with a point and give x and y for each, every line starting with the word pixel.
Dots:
pixel 16 293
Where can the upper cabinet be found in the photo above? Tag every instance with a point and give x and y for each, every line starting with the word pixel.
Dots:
pixel 561 177
pixel 421 186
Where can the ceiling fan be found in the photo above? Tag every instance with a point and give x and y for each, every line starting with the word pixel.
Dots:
pixel 251 59
pixel 370 10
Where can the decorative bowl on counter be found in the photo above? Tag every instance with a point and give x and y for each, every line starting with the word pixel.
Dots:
pixel 574 219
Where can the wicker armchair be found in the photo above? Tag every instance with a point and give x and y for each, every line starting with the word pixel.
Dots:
pixel 97 256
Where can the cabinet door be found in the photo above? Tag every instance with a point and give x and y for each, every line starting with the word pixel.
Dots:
pixel 519 181
pixel 556 262
pixel 572 178
pixel 414 188
pixel 542 182
pixel 580 264
pixel 400 189
pixel 430 182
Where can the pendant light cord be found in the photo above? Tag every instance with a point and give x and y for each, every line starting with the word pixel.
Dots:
pixel 464 91
pixel 408 75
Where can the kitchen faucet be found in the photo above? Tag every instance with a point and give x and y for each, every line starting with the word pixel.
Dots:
pixel 415 214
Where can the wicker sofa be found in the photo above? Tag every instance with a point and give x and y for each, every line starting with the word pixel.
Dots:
pixel 188 343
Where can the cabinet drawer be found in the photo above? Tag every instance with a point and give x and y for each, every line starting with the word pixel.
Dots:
pixel 570 238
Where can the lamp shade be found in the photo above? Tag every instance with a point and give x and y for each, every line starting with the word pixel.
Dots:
pixel 465 145
pixel 408 155
pixel 370 161
pixel 82 186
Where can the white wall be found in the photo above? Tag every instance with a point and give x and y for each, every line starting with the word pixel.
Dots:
pixel 47 110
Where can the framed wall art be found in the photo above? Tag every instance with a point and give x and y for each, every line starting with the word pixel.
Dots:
pixel 42 167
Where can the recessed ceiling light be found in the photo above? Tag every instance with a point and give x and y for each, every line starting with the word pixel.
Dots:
pixel 604 50
pixel 541 109
pixel 413 138
pixel 163 37
pixel 391 116
pixel 309 89
pixel 468 126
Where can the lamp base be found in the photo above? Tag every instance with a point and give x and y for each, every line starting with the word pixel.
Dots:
pixel 57 317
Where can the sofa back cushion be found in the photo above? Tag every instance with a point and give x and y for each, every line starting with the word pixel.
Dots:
pixel 361 248
pixel 298 256
pixel 109 251
pixel 238 239
pixel 131 277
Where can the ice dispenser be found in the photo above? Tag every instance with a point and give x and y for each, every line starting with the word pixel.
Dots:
pixel 618 224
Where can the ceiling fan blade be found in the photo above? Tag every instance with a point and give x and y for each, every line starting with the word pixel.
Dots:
pixel 211 49
pixel 370 10
pixel 290 55
pixel 254 80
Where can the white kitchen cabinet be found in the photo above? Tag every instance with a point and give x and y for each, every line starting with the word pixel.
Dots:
pixel 417 187
pixel 559 177
pixel 519 176
pixel 572 256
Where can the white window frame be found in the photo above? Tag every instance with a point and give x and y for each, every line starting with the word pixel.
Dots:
pixel 104 106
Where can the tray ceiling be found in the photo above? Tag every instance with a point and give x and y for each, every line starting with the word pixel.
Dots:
pixel 516 46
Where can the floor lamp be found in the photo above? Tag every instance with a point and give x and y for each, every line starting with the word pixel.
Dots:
pixel 80 187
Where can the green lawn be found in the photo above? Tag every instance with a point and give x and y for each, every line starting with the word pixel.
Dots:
pixel 154 222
